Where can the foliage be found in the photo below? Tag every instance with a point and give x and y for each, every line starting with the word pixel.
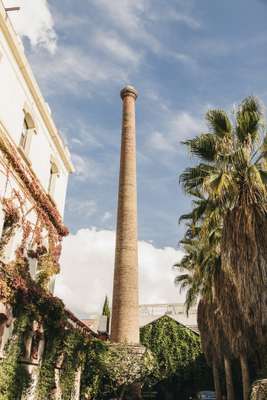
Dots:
pixel 44 204
pixel 31 302
pixel 93 376
pixel 14 378
pixel 174 345
pixel 225 242
pixel 74 357
pixel 125 364
pixel 178 355
pixel 10 223
pixel 46 381
pixel 106 312
pixel 106 308
pixel 110 369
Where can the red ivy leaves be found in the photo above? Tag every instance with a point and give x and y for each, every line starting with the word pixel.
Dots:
pixel 44 202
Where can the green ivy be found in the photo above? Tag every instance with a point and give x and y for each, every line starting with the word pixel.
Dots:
pixel 74 354
pixel 93 383
pixel 14 378
pixel 53 314
pixel 180 363
pixel 46 381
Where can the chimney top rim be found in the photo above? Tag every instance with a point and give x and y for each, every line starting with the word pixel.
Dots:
pixel 129 90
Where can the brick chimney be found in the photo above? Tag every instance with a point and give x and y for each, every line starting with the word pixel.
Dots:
pixel 125 305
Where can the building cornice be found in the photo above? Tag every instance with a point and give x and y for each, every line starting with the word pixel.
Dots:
pixel 26 71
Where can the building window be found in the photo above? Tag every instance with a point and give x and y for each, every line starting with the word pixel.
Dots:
pixel 26 134
pixel 23 138
pixel 54 174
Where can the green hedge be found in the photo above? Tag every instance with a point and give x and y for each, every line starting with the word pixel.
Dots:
pixel 181 367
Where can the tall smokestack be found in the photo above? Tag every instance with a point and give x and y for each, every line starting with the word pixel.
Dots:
pixel 125 305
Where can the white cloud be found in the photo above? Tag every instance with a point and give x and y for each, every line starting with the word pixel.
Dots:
pixel 188 20
pixel 129 17
pixel 109 50
pixel 183 18
pixel 132 17
pixel 186 59
pixel 184 125
pixel 78 71
pixel 84 135
pixel 85 168
pixel 125 14
pixel 178 127
pixel 116 47
pixel 160 142
pixel 78 207
pixel 35 22
pixel 87 271
pixel 106 217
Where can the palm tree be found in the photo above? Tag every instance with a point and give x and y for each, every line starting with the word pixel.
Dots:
pixel 201 267
pixel 201 261
pixel 232 176
pixel 211 340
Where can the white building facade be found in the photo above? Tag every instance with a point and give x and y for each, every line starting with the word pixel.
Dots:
pixel 34 162
pixel 34 169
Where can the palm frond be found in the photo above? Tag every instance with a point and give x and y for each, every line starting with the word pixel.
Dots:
pixel 219 185
pixel 193 177
pixel 219 123
pixel 248 119
pixel 191 299
pixel 183 281
pixel 263 175
pixel 203 146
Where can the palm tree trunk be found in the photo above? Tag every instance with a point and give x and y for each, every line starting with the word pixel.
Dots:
pixel 122 393
pixel 135 391
pixel 229 379
pixel 245 376
pixel 216 380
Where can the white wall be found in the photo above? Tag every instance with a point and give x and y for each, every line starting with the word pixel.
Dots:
pixel 14 96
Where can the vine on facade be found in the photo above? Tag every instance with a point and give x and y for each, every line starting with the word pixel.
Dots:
pixel 67 349
pixel 10 223
pixel 44 204
pixel 14 378
pixel 39 241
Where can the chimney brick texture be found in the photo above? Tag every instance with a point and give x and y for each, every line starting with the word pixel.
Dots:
pixel 125 304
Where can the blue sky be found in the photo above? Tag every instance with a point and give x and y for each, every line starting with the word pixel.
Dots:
pixel 183 56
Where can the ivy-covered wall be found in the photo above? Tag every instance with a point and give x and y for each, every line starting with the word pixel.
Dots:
pixel 172 365
pixel 65 349
pixel 48 350
pixel 181 369
pixel 45 342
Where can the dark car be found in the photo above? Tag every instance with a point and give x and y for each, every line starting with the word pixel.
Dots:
pixel 206 395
